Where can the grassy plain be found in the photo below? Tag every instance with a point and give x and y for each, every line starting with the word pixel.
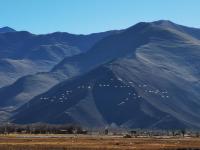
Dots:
pixel 56 142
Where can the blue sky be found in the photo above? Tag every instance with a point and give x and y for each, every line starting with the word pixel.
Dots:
pixel 88 16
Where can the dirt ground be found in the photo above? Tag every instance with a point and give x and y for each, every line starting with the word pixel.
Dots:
pixel 19 142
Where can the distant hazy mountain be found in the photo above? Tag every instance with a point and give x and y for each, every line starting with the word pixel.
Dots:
pixel 6 29
pixel 23 53
pixel 146 76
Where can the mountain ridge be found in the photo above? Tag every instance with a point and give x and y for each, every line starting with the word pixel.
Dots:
pixel 25 53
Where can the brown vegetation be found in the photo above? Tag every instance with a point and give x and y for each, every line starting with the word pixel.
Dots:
pixel 50 142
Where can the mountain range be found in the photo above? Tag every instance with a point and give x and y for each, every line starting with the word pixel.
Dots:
pixel 145 76
pixel 23 53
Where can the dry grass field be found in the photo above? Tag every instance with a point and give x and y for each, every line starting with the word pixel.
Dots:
pixel 15 142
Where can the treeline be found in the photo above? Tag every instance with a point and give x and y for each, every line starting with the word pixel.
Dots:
pixel 172 133
pixel 41 128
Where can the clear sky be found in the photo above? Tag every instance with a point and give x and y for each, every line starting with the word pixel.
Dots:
pixel 87 16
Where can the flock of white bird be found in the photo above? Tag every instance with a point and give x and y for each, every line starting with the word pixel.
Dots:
pixel 144 89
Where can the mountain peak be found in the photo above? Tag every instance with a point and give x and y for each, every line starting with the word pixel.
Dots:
pixel 164 23
pixel 6 29
pixel 159 23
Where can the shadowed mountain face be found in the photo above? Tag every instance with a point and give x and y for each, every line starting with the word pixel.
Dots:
pixel 23 53
pixel 146 76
